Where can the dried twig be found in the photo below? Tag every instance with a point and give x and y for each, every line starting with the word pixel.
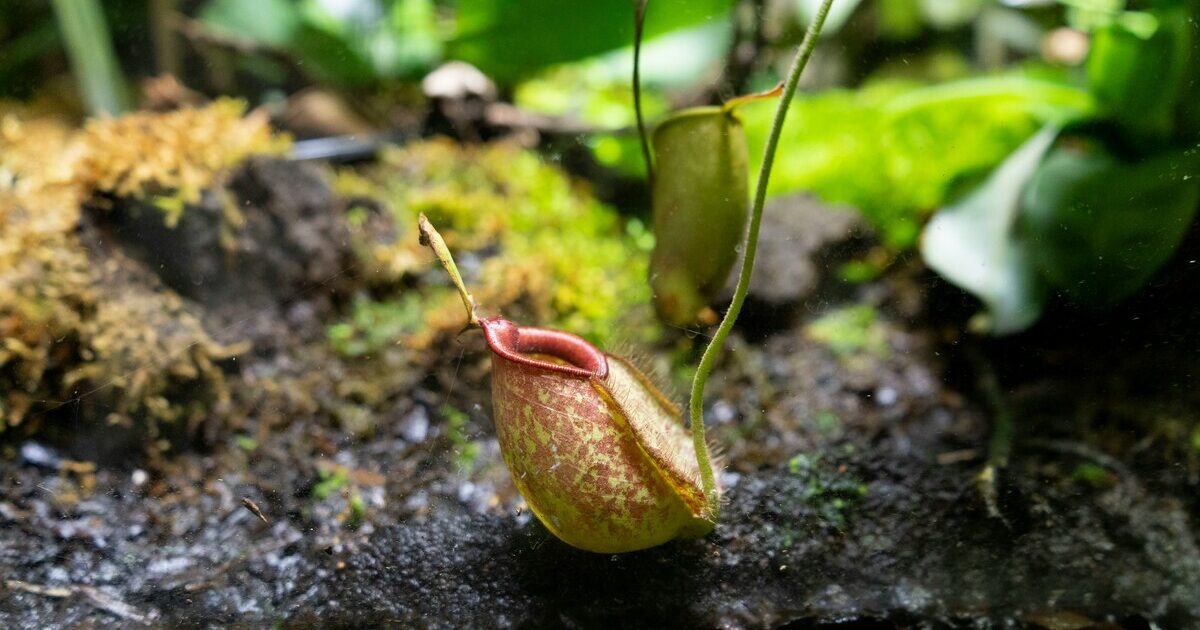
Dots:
pixel 93 595
pixel 249 504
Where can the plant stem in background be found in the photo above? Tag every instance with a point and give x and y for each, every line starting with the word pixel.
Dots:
pixel 93 60
pixel 167 59
pixel 708 361
pixel 1000 444
pixel 639 21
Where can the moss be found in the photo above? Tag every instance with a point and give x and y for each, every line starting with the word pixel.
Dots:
pixel 79 320
pixel 830 491
pixel 533 243
pixel 246 443
pixel 337 487
pixel 466 451
pixel 177 154
pixel 851 331
pixel 374 325
pixel 151 354
pixel 1094 475
pixel 828 423
pixel 330 483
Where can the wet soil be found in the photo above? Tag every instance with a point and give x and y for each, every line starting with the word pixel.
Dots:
pixel 852 481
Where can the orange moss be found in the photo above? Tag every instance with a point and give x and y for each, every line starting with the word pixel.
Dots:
pixel 181 152
pixel 69 319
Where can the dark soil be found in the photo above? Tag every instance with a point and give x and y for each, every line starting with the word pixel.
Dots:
pixel 853 498
pixel 247 253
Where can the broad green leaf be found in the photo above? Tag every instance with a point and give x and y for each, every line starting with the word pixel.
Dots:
pixel 1098 227
pixel 586 92
pixel 511 38
pixel 897 150
pixel 398 38
pixel 1138 78
pixel 345 18
pixel 270 22
pixel 413 43
pixel 331 58
pixel 1090 15
pixel 947 14
pixel 1047 101
pixel 680 59
pixel 899 19
pixel 973 243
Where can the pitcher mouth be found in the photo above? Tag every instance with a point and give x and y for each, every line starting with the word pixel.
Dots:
pixel 519 344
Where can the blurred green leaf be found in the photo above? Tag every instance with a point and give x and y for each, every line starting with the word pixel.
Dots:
pixel 93 58
pixel 412 45
pixel 331 58
pixel 973 243
pixel 511 38
pixel 344 18
pixel 1089 15
pixel 598 91
pixel 270 22
pixel 1138 78
pixel 1047 101
pixel 339 43
pixel 896 150
pixel 586 92
pixel 22 52
pixel 1098 227
pixel 899 19
pixel 947 14
pixel 398 38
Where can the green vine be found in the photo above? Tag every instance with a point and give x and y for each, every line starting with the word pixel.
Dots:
pixel 639 22
pixel 708 361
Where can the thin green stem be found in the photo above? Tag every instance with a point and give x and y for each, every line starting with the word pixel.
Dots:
pixel 708 361
pixel 639 22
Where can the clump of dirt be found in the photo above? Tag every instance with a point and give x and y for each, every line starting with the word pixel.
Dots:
pixel 78 320
pixel 272 238
pixel 147 364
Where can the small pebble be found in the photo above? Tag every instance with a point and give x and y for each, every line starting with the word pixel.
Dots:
pixel 729 479
pixel 414 427
pixel 723 412
pixel 37 455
